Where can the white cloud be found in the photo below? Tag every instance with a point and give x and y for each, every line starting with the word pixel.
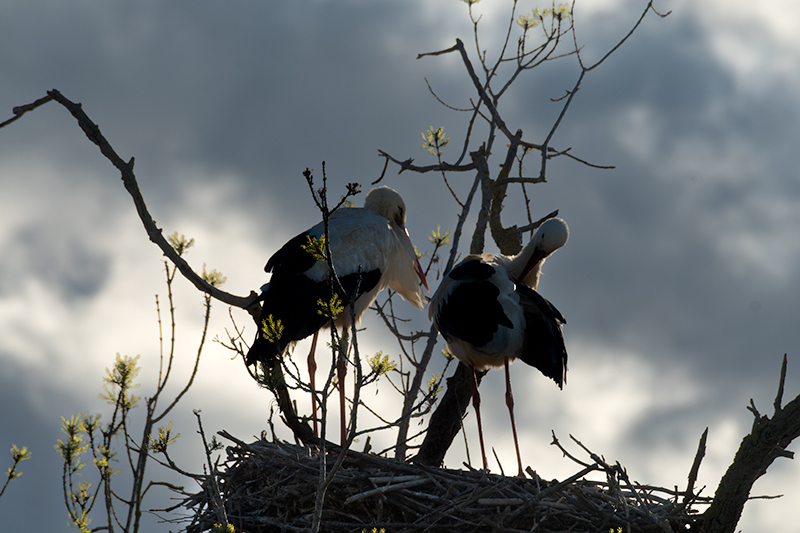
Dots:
pixel 760 43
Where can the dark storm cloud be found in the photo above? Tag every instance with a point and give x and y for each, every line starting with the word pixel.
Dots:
pixel 261 90
pixel 70 269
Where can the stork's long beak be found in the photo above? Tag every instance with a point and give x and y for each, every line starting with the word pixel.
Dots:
pixel 536 257
pixel 417 266
pixel 420 273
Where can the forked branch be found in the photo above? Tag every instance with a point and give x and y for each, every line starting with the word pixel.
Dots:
pixel 767 441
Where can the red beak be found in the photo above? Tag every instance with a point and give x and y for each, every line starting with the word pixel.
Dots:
pixel 421 274
pixel 417 266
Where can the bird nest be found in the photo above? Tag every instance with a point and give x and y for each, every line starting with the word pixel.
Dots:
pixel 270 486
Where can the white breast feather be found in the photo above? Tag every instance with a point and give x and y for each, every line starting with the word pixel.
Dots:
pixel 365 239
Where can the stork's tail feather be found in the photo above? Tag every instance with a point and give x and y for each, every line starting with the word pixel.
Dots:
pixel 543 346
pixel 261 351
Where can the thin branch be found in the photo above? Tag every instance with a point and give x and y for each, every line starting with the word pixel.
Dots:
pixel 92 131
pixel 408 165
pixel 21 110
pixel 206 319
pixel 620 43
pixel 557 443
pixel 779 397
pixel 544 147
pixel 689 495
pixel 445 104
pixel 216 497
pixel 535 225
pixel 528 181
pixel 496 119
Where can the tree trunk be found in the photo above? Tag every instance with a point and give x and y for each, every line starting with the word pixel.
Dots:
pixel 446 419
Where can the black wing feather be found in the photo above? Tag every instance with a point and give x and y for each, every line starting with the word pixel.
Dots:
pixel 472 269
pixel 471 311
pixel 292 258
pixel 294 300
pixel 543 345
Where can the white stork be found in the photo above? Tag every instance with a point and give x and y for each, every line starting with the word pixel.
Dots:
pixel 488 312
pixel 371 250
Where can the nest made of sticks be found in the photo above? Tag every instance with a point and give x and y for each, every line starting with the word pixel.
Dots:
pixel 272 486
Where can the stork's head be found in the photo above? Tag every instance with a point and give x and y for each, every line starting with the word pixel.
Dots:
pixel 552 235
pixel 387 203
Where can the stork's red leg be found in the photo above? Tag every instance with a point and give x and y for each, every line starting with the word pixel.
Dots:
pixel 312 372
pixel 341 372
pixel 510 404
pixel 476 404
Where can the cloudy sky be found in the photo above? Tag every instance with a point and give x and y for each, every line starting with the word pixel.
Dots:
pixel 679 282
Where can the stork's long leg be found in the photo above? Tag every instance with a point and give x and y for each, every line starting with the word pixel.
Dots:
pixel 312 372
pixel 476 404
pixel 341 372
pixel 510 404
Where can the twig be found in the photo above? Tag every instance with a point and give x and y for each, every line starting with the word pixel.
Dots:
pixel 439 167
pixel 216 496
pixel 535 225
pixel 557 443
pixel 385 489
pixel 21 110
pixel 779 397
pixel 701 452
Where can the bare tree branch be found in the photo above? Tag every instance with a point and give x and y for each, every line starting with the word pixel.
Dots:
pixel 766 442
pixel 408 165
pixel 689 496
pixel 92 131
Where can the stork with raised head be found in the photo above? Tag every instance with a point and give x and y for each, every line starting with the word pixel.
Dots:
pixel 370 250
pixel 489 314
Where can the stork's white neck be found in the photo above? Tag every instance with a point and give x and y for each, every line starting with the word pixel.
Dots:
pixel 552 235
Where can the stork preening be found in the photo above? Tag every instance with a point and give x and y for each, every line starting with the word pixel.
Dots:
pixel 489 314
pixel 370 250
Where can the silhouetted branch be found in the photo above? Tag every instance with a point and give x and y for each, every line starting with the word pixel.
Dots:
pixel 766 442
pixel 92 131
pixel 701 452
pixel 408 165
pixel 21 110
